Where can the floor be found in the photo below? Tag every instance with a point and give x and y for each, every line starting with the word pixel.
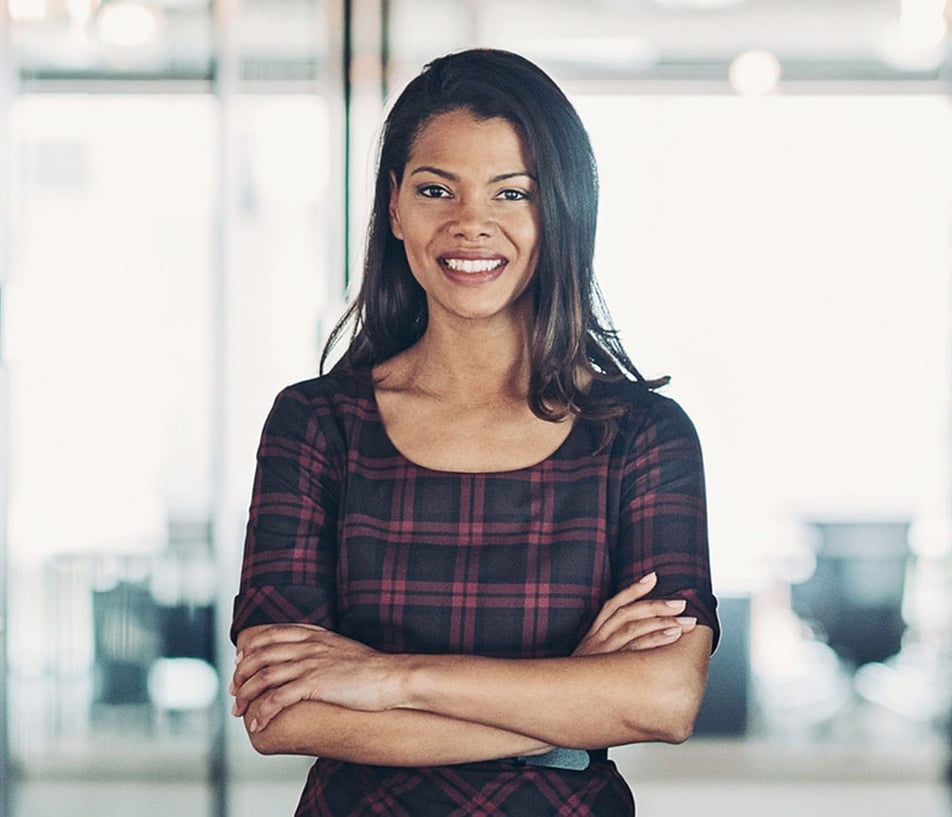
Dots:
pixel 713 778
pixel 667 799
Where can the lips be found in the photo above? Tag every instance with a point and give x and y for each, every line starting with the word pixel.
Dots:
pixel 472 265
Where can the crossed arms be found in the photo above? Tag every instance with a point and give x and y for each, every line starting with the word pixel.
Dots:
pixel 637 675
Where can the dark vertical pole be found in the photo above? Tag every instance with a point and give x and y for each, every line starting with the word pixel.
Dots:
pixel 347 57
pixel 225 87
pixel 384 49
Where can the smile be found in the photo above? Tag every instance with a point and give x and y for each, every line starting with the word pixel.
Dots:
pixel 470 265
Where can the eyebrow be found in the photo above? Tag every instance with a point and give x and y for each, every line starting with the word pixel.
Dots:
pixel 445 174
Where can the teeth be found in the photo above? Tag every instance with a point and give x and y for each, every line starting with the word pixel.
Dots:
pixel 467 265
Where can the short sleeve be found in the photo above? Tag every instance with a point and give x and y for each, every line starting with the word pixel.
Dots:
pixel 289 564
pixel 663 524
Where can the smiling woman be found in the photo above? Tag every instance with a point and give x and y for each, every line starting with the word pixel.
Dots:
pixel 466 215
pixel 477 547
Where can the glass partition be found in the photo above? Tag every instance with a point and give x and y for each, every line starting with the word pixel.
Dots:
pixel 787 261
pixel 174 259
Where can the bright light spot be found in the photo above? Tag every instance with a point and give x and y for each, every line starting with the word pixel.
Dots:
pixel 128 25
pixel 182 684
pixel 922 24
pixel 27 9
pixel 916 40
pixel 755 73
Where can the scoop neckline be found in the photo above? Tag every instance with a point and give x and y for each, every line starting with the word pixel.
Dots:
pixel 366 378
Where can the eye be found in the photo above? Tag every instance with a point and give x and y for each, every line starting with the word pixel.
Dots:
pixel 433 191
pixel 511 194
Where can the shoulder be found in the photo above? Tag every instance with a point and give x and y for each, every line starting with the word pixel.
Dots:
pixel 336 389
pixel 653 431
pixel 647 412
pixel 321 405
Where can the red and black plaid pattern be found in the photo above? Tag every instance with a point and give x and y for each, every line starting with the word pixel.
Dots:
pixel 347 533
pixel 496 789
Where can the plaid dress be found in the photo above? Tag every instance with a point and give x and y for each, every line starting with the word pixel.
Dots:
pixel 347 533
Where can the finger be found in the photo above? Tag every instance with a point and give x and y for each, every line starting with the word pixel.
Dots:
pixel 643 609
pixel 632 634
pixel 278 634
pixel 625 597
pixel 664 635
pixel 268 679
pixel 648 608
pixel 651 641
pixel 623 635
pixel 641 634
pixel 251 663
pixel 686 623
pixel 275 702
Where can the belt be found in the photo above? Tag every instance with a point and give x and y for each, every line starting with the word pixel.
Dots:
pixel 576 760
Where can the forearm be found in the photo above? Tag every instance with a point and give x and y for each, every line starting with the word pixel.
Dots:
pixel 399 737
pixel 587 702
pixel 435 709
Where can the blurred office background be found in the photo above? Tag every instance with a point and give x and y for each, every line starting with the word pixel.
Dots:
pixel 183 185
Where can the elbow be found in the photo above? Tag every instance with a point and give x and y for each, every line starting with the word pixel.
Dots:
pixel 265 741
pixel 264 747
pixel 672 721
pixel 680 725
pixel 262 742
pixel 667 730
pixel 681 712
pixel 677 731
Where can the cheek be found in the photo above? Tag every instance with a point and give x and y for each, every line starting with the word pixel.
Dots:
pixel 414 242
pixel 530 236
pixel 416 246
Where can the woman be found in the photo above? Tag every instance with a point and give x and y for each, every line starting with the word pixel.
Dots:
pixel 476 553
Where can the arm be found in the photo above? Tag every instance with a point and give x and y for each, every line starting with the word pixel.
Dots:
pixel 580 701
pixel 587 702
pixel 282 671
pixel 641 678
pixel 393 738
pixel 561 709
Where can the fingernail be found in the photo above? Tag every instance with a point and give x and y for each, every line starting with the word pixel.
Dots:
pixel 680 604
pixel 254 725
pixel 234 709
pixel 650 577
pixel 672 631
pixel 238 656
pixel 231 688
pixel 686 621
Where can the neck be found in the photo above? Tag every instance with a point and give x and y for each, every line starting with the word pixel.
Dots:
pixel 474 364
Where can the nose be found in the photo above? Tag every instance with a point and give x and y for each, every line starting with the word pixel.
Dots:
pixel 473 219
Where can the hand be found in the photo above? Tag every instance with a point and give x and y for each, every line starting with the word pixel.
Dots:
pixel 282 664
pixel 628 621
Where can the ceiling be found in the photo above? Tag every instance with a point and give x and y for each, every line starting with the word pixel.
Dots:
pixel 684 40
pixel 287 41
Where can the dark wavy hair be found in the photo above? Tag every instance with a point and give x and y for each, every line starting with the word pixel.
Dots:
pixel 572 338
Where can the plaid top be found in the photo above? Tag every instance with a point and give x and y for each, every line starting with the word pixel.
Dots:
pixel 347 533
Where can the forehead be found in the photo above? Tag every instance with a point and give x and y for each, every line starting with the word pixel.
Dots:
pixel 459 137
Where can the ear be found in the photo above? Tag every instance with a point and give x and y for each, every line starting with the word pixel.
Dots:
pixel 395 227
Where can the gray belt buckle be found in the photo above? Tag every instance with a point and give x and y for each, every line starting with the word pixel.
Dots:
pixel 575 760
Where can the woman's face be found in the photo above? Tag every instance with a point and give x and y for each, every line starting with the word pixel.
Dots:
pixel 467 214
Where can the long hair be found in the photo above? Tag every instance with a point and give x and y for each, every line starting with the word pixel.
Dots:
pixel 572 338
